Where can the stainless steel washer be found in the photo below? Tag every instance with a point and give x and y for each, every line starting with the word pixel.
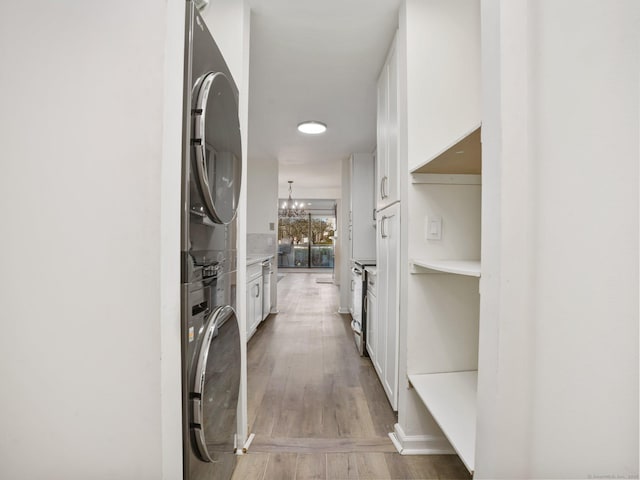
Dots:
pixel 212 378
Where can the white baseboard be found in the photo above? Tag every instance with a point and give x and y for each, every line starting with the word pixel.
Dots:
pixel 343 310
pixel 419 444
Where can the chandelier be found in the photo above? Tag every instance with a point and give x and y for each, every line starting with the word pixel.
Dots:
pixel 291 208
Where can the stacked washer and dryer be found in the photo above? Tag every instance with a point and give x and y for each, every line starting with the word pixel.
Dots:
pixel 210 334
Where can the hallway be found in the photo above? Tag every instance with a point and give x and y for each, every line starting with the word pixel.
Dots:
pixel 317 409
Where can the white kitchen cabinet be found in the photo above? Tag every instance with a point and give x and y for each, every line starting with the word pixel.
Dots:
pixel 372 316
pixel 388 315
pixel 254 298
pixel 267 286
pixel 387 157
pixel 362 231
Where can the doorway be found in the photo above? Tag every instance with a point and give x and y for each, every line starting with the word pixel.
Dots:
pixel 306 240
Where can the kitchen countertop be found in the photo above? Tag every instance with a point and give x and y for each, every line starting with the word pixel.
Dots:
pixel 363 263
pixel 257 258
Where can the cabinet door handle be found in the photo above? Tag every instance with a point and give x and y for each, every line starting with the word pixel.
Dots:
pixel 352 285
pixel 257 290
pixel 354 327
pixel 383 229
pixel 384 183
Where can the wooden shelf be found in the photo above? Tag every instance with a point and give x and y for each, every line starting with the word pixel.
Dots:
pixel 464 156
pixel 446 179
pixel 451 399
pixel 458 267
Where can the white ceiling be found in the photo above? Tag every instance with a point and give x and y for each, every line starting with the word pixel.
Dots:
pixel 315 61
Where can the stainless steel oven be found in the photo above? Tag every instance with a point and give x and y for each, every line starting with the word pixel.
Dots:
pixel 357 321
pixel 357 308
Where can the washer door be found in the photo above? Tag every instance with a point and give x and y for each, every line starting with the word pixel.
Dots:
pixel 215 390
pixel 217 151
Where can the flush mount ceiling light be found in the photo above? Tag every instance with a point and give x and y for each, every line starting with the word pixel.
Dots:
pixel 312 127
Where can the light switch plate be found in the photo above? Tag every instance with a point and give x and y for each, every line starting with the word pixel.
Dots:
pixel 433 228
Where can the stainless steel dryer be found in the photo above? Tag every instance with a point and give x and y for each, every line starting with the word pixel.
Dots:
pixel 213 138
pixel 211 172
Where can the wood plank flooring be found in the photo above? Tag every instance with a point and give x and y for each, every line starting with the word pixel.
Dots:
pixel 316 407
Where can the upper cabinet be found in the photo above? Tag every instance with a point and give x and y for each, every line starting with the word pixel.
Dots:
pixel 442 76
pixel 387 159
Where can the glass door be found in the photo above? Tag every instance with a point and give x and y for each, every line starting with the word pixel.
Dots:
pixel 321 248
pixel 293 242
pixel 307 241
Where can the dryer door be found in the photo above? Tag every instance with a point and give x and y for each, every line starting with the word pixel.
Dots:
pixel 217 151
pixel 215 390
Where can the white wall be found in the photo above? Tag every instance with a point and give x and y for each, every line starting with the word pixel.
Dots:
pixel 262 196
pixel 342 257
pixel 558 381
pixel 90 351
pixel 328 193
pixel 170 203
pixel 81 133
pixel 262 213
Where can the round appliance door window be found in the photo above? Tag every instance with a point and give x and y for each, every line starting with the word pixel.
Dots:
pixel 215 389
pixel 217 159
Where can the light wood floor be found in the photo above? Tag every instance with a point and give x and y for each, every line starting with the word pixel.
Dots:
pixel 317 408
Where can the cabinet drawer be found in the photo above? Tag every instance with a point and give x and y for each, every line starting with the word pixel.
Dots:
pixel 254 271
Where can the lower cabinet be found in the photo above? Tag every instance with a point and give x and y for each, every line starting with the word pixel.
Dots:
pixel 372 320
pixel 388 292
pixel 254 298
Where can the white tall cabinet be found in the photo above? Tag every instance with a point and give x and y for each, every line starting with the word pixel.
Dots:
pixel 388 246
pixel 387 158
pixel 362 231
pixel 388 262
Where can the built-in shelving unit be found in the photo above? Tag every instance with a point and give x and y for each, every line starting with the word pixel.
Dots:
pixel 451 399
pixel 448 185
pixel 458 267
pixel 462 157
pixel 444 198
